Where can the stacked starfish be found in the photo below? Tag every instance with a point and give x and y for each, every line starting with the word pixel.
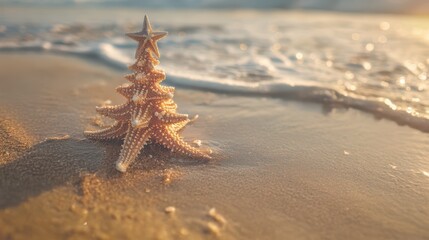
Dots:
pixel 149 115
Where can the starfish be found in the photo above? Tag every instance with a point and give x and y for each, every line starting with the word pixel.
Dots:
pixel 149 114
pixel 147 38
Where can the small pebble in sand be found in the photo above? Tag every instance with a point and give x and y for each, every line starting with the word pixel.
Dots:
pixel 170 210
pixel 346 153
pixel 78 210
pixel 184 232
pixel 147 190
pixel 198 142
pixel 166 179
pixel 169 175
pixel 216 216
pixel 73 208
pixel 213 228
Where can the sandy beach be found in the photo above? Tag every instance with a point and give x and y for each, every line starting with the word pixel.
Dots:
pixel 281 168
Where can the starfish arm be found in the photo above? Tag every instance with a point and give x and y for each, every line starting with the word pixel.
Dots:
pixel 167 88
pixel 137 36
pixel 134 141
pixel 131 77
pixel 152 43
pixel 154 47
pixel 170 117
pixel 156 75
pixel 116 131
pixel 158 35
pixel 159 90
pixel 126 90
pixel 178 127
pixel 141 117
pixel 136 77
pixel 171 140
pixel 169 105
pixel 118 112
pixel 133 67
pixel 159 95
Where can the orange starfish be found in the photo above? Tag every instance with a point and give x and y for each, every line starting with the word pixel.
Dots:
pixel 149 115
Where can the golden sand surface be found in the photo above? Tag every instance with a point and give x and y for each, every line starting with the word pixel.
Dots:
pixel 14 139
pixel 282 169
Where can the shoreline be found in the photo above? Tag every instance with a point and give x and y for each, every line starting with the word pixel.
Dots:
pixel 282 168
pixel 327 98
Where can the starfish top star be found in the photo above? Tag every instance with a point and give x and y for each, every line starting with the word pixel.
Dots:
pixel 147 38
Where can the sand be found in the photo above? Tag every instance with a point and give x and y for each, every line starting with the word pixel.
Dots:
pixel 14 139
pixel 282 169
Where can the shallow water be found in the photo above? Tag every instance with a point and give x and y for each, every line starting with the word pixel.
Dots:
pixel 376 63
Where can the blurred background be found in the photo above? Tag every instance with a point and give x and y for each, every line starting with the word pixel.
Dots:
pixel 383 6
pixel 371 55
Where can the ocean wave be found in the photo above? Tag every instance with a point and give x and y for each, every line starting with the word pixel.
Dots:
pixel 290 87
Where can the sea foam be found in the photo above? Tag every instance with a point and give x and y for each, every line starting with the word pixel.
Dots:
pixel 363 65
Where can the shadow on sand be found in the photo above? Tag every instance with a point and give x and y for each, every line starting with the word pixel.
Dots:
pixel 54 163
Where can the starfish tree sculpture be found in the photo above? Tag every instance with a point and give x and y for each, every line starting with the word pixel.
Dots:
pixel 149 115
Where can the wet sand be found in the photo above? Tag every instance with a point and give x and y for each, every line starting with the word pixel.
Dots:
pixel 282 169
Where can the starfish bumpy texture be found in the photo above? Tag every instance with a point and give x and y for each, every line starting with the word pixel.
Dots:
pixel 149 115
